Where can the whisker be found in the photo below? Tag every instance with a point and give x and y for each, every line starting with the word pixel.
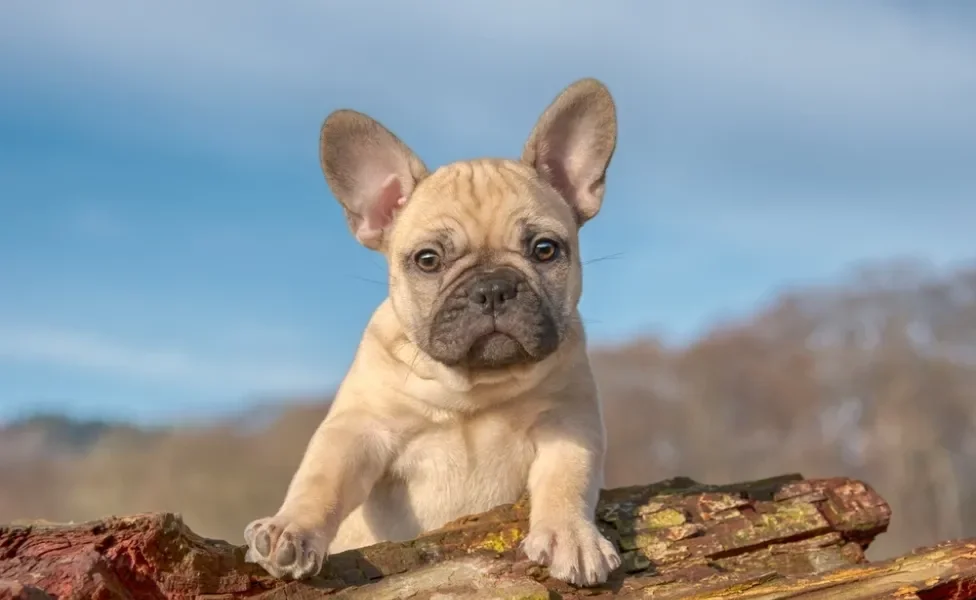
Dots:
pixel 378 262
pixel 368 280
pixel 586 321
pixel 602 258
pixel 413 363
pixel 400 346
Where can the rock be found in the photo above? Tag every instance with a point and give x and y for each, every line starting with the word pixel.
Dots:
pixel 760 540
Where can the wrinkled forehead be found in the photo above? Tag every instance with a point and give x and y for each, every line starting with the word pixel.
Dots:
pixel 488 202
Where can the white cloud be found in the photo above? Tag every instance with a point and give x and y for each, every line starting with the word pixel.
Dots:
pixel 83 351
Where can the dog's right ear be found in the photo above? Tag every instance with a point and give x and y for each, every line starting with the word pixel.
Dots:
pixel 369 171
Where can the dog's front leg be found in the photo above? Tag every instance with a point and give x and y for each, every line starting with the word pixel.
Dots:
pixel 564 486
pixel 344 459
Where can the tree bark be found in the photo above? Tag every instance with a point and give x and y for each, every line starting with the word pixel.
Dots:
pixel 776 538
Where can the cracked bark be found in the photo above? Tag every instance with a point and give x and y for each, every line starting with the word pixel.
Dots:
pixel 775 538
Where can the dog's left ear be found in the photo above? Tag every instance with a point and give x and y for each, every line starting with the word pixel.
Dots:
pixel 572 144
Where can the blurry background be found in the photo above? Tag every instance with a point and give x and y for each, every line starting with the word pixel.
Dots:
pixel 783 277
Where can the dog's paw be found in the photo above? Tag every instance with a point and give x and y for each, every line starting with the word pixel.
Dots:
pixel 285 549
pixel 574 550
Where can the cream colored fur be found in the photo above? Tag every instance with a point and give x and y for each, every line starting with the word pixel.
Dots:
pixel 411 443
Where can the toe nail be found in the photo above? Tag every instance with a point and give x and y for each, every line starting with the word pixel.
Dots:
pixel 314 566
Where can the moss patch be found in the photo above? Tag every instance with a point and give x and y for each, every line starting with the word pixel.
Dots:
pixel 501 541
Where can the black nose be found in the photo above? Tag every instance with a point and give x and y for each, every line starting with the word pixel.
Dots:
pixel 492 294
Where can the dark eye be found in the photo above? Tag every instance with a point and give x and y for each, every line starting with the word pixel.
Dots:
pixel 428 260
pixel 545 250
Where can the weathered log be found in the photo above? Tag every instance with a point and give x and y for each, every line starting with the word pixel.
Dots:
pixel 776 538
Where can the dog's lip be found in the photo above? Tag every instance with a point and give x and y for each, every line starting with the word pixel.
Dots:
pixel 495 337
pixel 494 333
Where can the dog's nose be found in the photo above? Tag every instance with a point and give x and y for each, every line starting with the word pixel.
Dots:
pixel 492 295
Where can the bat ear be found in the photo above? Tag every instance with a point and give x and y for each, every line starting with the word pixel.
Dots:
pixel 369 171
pixel 572 144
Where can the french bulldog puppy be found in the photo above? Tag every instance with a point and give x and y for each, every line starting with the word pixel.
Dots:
pixel 471 384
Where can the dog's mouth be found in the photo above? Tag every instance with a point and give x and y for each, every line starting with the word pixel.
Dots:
pixel 495 350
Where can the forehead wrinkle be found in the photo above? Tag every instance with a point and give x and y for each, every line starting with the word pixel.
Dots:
pixel 470 218
pixel 421 224
pixel 465 183
pixel 548 224
pixel 457 228
pixel 430 208
pixel 514 231
pixel 513 181
pixel 525 183
pixel 487 204
pixel 475 203
pixel 481 185
pixel 507 186
pixel 458 187
pixel 499 222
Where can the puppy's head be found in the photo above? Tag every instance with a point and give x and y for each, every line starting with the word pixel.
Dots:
pixel 484 254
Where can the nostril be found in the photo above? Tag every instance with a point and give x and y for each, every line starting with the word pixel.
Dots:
pixel 492 294
pixel 501 293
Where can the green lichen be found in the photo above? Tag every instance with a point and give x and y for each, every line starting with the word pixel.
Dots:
pixel 501 541
pixel 650 507
pixel 662 519
pixel 789 518
pixel 793 516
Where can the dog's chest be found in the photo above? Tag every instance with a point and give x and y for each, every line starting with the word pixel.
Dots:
pixel 451 470
pixel 444 472
pixel 471 464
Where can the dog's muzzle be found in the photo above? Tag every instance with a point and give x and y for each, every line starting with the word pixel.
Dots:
pixel 492 319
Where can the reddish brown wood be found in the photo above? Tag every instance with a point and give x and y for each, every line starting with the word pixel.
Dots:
pixel 752 540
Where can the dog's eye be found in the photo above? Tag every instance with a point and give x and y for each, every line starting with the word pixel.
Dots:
pixel 545 250
pixel 427 260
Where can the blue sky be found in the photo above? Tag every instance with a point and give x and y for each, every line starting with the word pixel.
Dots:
pixel 170 250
